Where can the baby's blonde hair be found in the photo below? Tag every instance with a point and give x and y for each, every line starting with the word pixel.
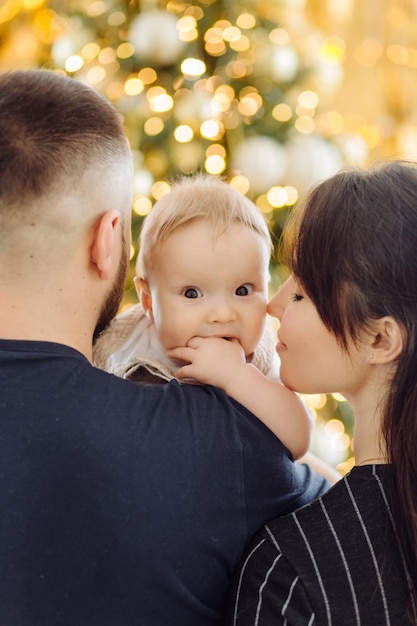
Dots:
pixel 198 197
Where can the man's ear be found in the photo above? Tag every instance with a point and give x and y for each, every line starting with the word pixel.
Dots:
pixel 387 340
pixel 144 294
pixel 103 247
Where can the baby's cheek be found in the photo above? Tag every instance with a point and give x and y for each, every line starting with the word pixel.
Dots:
pixel 174 337
pixel 254 336
pixel 250 344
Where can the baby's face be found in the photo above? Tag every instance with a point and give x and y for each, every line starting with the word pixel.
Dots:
pixel 205 287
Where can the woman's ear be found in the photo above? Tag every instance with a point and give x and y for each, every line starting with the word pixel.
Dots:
pixel 387 340
pixel 144 294
pixel 103 248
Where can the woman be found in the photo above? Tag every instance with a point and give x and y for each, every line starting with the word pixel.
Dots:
pixel 348 324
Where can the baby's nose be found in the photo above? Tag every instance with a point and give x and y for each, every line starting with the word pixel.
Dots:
pixel 222 312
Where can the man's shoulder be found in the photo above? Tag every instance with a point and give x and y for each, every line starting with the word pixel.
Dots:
pixel 196 402
pixel 287 530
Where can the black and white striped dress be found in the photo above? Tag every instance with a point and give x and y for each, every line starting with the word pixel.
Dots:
pixel 335 562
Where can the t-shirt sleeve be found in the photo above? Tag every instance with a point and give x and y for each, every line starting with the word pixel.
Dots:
pixel 266 590
pixel 273 484
pixel 215 475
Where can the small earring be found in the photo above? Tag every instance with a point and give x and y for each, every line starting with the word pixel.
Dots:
pixel 372 355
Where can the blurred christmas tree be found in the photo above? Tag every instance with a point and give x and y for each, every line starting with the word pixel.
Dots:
pixel 242 90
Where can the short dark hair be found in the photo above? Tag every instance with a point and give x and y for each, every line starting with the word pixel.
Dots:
pixel 51 126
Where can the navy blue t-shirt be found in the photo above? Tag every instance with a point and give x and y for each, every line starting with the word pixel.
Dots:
pixel 123 504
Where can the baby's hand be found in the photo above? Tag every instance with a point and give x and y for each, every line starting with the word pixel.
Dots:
pixel 210 360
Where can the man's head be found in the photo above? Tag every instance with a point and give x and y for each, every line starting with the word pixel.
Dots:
pixel 65 166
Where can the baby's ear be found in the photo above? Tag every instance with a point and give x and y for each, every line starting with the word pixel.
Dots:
pixel 144 293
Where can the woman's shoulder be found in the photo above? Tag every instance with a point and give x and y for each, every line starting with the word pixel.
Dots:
pixel 358 501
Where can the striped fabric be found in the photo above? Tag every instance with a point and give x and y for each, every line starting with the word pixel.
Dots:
pixel 335 562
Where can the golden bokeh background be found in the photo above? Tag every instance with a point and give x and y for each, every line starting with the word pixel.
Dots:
pixel 274 95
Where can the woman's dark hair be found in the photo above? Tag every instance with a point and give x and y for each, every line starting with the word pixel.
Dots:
pixel 353 248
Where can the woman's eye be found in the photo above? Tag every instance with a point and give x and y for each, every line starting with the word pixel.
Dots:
pixel 244 290
pixel 192 292
pixel 296 297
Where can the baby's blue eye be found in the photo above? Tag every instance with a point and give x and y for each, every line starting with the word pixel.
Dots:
pixel 192 292
pixel 244 290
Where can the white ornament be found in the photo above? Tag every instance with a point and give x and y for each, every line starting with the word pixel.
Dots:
pixel 143 182
pixel 328 75
pixel 353 148
pixel 154 36
pixel 310 160
pixel 329 449
pixel 262 160
pixel 190 106
pixel 71 43
pixel 293 4
pixel 284 63
pixel 406 140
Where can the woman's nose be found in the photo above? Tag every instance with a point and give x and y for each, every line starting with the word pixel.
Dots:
pixel 279 301
pixel 274 307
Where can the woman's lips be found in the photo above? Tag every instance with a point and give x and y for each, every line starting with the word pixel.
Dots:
pixel 281 347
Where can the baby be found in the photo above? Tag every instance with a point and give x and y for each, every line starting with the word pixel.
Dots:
pixel 202 280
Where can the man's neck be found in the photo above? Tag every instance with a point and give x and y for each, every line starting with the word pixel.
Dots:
pixel 43 319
